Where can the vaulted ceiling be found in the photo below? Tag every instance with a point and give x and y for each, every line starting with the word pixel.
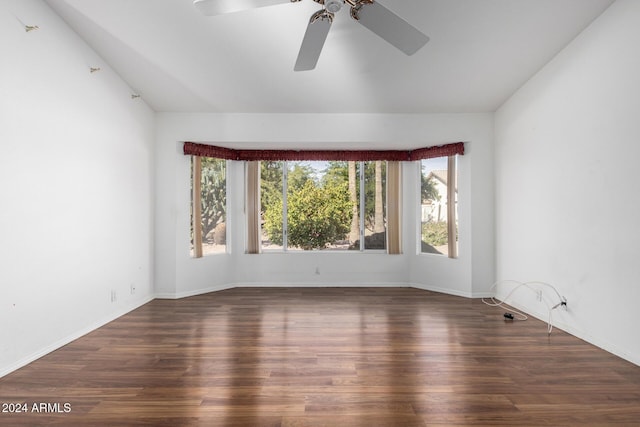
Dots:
pixel 480 52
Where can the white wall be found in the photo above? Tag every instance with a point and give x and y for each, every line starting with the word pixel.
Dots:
pixel 179 275
pixel 473 272
pixel 565 142
pixel 76 188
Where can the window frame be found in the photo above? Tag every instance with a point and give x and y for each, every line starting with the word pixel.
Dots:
pixel 452 214
pixel 361 183
pixel 196 246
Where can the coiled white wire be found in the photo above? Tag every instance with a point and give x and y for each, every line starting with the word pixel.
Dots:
pixel 518 315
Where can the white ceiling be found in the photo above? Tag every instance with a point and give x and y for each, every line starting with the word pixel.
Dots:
pixel 480 52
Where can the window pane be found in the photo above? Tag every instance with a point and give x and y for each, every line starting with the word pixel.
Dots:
pixel 433 195
pixel 318 205
pixel 271 181
pixel 213 206
pixel 323 205
pixel 375 206
pixel 352 175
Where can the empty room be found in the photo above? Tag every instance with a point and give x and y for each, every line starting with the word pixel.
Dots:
pixel 319 212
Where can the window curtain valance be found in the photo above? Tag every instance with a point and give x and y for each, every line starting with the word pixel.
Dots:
pixel 204 150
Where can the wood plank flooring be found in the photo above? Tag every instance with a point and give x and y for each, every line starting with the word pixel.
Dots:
pixel 324 357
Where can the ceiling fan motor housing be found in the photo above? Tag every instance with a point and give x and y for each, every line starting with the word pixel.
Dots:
pixel 333 5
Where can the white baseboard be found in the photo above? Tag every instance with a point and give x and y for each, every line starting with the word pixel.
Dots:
pixel 441 290
pixel 192 293
pixel 322 285
pixel 74 336
pixel 578 333
pixel 217 288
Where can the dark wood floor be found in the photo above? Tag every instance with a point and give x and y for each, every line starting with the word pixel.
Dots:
pixel 324 357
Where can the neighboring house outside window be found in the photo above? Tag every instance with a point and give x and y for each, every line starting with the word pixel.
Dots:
pixel 435 210
pixel 438 226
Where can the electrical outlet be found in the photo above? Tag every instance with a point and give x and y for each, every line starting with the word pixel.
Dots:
pixel 539 295
pixel 133 289
pixel 317 270
pixel 114 297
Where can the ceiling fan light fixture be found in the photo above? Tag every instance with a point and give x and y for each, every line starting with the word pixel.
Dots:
pixel 323 15
pixel 333 6
pixel 369 13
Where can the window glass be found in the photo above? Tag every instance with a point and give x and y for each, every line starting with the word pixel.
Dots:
pixel 434 213
pixel 211 209
pixel 375 208
pixel 271 203
pixel 322 205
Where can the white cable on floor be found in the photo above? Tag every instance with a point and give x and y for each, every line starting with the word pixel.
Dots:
pixel 519 315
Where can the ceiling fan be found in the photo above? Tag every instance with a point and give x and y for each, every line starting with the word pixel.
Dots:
pixel 369 13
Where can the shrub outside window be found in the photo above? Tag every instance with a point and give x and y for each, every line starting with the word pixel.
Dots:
pixel 323 205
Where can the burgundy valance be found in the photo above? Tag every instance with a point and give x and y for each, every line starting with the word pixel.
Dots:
pixel 437 151
pixel 204 150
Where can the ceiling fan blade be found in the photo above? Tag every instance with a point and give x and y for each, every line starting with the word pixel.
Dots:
pixel 390 27
pixel 219 7
pixel 314 37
